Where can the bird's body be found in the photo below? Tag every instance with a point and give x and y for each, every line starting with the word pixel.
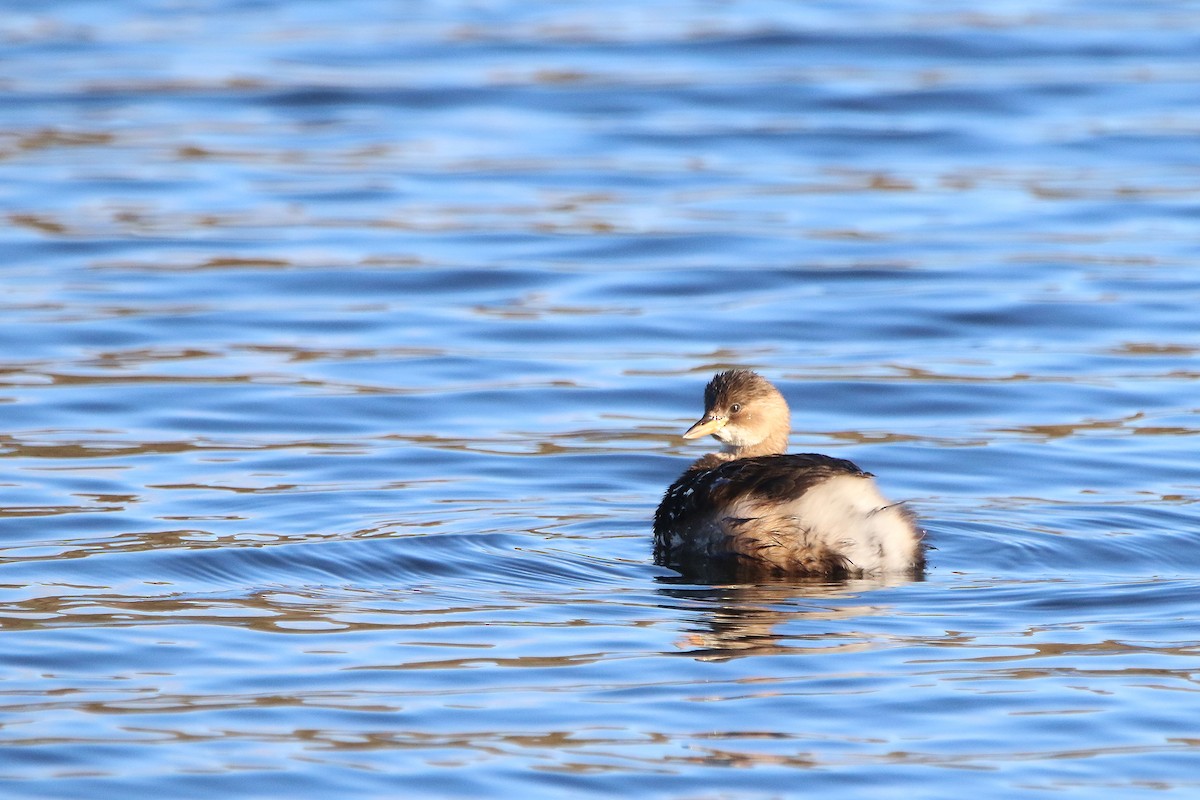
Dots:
pixel 753 509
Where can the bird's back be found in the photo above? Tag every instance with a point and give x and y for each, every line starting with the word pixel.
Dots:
pixel 798 514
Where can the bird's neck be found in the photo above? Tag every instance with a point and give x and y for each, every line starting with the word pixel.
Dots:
pixel 773 445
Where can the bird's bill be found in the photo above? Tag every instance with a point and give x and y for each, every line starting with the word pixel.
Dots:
pixel 705 427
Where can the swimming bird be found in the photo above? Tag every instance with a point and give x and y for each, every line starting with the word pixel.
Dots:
pixel 753 509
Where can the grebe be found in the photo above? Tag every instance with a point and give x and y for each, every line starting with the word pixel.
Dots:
pixel 753 509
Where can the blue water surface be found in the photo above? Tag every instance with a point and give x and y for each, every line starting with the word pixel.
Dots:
pixel 345 349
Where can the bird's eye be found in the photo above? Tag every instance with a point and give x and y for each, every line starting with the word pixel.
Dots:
pixel 736 407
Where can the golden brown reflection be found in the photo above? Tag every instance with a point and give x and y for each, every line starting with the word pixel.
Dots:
pixel 38 222
pixel 191 538
pixel 745 620
pixel 124 359
pixel 12 447
pixel 536 307
pixel 298 354
pixel 587 751
pixel 266 611
pixel 1124 424
pixel 1153 349
pixel 51 511
pixel 1018 650
pixel 48 138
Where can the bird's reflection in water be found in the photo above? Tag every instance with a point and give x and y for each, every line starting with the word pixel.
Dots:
pixel 736 620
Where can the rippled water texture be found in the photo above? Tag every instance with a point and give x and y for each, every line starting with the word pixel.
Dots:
pixel 345 349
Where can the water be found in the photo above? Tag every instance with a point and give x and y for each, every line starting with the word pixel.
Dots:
pixel 345 349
